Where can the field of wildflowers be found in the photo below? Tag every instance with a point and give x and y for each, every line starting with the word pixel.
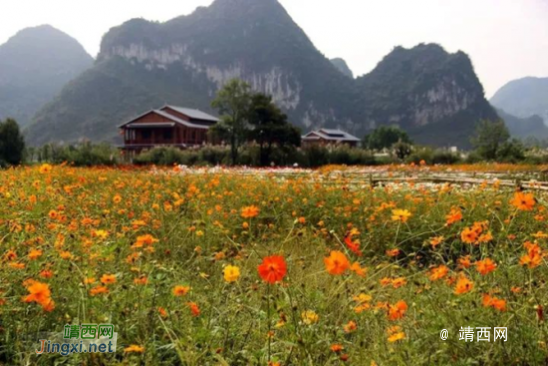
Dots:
pixel 226 268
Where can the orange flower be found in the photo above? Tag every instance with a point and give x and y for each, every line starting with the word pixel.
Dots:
pixel 515 289
pixel 463 286
pixel 250 212
pixel 465 262
pixel 336 348
pixel 534 255
pixel 39 293
pixel 10 255
pixel 357 269
pixel 181 290
pixel 393 252
pixel 350 327
pixel 98 290
pixel 454 216
pixel 399 282
pixel 194 309
pixel 397 311
pixel 35 254
pixel 144 240
pixel 336 263
pixel 469 235
pixel 143 280
pixel 273 269
pixel 435 241
pixel 385 281
pixel 108 279
pixel 523 201
pixel 485 266
pixel 438 272
pixel 163 312
pixel 45 168
pixel 494 302
pixel 46 273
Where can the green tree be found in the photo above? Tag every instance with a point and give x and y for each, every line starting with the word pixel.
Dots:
pixel 402 149
pixel 269 126
pixel 233 102
pixel 384 137
pixel 490 137
pixel 12 143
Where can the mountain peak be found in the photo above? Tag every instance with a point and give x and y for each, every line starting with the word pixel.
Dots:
pixel 34 65
pixel 524 97
pixel 425 90
pixel 342 66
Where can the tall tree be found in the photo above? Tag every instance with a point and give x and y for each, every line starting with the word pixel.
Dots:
pixel 490 137
pixel 12 143
pixel 233 102
pixel 269 126
pixel 384 137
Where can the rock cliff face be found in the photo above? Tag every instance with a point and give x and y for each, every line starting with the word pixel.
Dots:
pixel 34 65
pixel 186 60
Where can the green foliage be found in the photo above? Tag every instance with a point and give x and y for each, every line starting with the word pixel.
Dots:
pixel 433 156
pixel 249 155
pixel 83 154
pixel 384 137
pixel 511 151
pixel 12 143
pixel 269 127
pixel 233 102
pixel 491 142
pixel 402 149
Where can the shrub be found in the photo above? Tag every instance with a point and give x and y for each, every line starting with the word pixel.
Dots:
pixel 84 154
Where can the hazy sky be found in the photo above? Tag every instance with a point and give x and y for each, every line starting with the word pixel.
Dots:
pixel 506 39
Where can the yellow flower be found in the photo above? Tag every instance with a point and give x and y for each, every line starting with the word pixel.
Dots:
pixel 400 215
pixel 395 334
pixel 134 348
pixel 231 273
pixel 309 317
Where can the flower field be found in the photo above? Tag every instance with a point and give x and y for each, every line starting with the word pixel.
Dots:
pixel 221 267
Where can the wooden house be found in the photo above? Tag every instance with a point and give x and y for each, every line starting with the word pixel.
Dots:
pixel 168 126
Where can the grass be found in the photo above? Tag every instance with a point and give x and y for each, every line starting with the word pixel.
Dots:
pixel 112 245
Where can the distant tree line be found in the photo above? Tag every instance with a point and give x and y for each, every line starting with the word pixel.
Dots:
pixel 257 133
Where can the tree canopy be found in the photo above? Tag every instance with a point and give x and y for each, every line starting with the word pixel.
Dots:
pixel 246 115
pixel 12 143
pixel 384 137
pixel 269 126
pixel 233 102
pixel 490 136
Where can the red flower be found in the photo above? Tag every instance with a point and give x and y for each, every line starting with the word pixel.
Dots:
pixel 273 269
pixel 354 246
